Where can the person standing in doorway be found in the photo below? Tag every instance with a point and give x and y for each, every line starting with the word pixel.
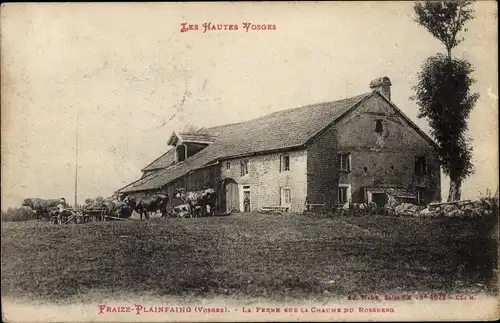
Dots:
pixel 246 202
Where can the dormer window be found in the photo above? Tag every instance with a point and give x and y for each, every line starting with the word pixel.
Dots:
pixel 379 126
pixel 181 153
pixel 188 144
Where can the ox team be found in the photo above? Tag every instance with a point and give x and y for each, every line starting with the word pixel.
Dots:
pixel 189 204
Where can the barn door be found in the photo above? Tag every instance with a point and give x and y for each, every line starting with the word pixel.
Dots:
pixel 232 197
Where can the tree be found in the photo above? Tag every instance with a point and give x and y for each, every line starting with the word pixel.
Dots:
pixel 89 202
pixel 443 90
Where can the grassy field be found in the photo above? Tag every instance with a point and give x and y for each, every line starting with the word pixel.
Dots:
pixel 250 255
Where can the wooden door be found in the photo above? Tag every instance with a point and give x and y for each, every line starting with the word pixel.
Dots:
pixel 232 197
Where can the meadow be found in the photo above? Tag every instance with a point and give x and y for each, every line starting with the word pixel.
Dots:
pixel 250 255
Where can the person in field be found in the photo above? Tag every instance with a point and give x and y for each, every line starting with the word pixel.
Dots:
pixel 62 209
pixel 62 206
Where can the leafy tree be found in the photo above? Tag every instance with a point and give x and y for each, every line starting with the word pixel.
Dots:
pixel 444 20
pixel 98 201
pixel 443 89
pixel 89 202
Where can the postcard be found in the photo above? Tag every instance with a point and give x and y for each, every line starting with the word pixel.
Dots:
pixel 249 161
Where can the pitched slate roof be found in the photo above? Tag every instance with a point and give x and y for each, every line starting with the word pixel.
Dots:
pixel 161 162
pixel 198 137
pixel 279 130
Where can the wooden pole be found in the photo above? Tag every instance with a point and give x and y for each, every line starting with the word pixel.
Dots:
pixel 76 158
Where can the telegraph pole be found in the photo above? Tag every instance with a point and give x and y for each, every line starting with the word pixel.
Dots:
pixel 76 157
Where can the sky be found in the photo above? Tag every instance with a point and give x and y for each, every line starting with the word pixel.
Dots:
pixel 133 78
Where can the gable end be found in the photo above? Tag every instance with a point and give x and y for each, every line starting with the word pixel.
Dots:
pixel 411 123
pixel 324 130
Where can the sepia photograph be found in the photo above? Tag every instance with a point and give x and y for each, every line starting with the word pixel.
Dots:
pixel 249 161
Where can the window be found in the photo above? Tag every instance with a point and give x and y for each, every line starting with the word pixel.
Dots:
pixel 344 193
pixel 284 163
pixel 342 198
pixel 286 197
pixel 420 166
pixel 345 162
pixel 228 165
pixel 244 167
pixel 379 126
pixel 181 153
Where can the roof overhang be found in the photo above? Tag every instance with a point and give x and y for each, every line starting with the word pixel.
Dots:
pixel 263 152
pixel 179 138
pixel 174 139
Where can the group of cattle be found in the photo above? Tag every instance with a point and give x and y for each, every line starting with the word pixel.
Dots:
pixel 183 204
pixel 42 208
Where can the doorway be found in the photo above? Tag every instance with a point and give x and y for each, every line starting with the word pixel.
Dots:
pixel 246 199
pixel 380 199
pixel 286 197
pixel 231 199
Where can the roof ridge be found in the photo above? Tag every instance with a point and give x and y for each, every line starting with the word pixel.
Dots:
pixel 322 103
pixel 290 109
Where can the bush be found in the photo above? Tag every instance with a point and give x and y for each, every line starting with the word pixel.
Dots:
pixel 17 214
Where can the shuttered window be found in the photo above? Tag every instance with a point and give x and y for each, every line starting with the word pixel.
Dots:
pixel 284 163
pixel 244 167
pixel 345 162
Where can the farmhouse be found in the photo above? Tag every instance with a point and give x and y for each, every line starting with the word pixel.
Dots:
pixel 357 149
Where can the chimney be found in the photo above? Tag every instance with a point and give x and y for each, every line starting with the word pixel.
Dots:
pixel 383 86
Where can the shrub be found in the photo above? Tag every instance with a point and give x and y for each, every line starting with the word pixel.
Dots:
pixel 17 214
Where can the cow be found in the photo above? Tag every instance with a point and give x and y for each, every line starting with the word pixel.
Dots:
pixel 145 204
pixel 181 211
pixel 201 202
pixel 42 208
pixel 117 208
